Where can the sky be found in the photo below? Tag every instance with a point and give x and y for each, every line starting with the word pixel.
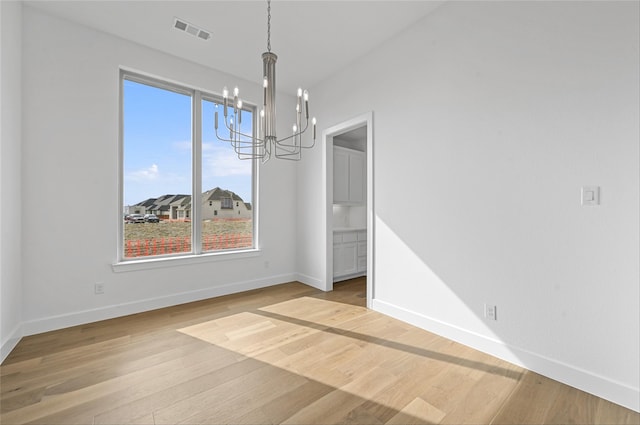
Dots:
pixel 157 147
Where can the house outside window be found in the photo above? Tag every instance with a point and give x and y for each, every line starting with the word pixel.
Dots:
pixel 180 174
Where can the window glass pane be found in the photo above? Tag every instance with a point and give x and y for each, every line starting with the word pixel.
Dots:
pixel 157 171
pixel 227 204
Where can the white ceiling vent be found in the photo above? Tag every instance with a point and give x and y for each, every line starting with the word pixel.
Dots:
pixel 182 25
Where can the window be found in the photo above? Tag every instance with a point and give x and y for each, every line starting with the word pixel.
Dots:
pixel 175 167
pixel 226 203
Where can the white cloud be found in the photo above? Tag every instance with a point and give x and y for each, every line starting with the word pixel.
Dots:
pixel 219 160
pixel 147 174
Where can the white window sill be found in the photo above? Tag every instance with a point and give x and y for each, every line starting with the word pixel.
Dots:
pixel 182 260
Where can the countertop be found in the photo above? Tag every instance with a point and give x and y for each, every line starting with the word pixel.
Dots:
pixel 348 229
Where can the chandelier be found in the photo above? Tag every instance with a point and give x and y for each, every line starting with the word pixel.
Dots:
pixel 266 144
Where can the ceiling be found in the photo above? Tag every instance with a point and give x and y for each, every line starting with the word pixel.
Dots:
pixel 313 39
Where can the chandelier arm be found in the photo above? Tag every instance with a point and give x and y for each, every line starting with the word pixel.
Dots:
pixel 290 157
pixel 241 154
pixel 268 148
pixel 235 132
pixel 286 148
pixel 305 147
pixel 299 133
pixel 240 146
pixel 281 144
pixel 244 156
pixel 262 142
pixel 289 154
pixel 300 146
pixel 235 141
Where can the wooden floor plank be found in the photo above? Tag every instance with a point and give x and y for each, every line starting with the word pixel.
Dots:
pixel 417 411
pixel 183 384
pixel 285 354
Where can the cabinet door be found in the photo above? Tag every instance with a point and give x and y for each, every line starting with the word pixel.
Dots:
pixel 356 178
pixel 362 249
pixel 350 257
pixel 337 261
pixel 362 264
pixel 362 256
pixel 340 176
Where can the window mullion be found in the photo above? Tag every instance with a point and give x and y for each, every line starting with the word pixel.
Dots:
pixel 196 201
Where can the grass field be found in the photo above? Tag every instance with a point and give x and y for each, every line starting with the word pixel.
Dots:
pixel 170 237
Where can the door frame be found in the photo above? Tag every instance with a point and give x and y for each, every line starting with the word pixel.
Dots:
pixel 364 120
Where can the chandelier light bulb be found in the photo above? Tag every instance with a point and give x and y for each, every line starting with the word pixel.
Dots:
pixel 306 96
pixel 313 121
pixel 225 96
pixel 236 91
pixel 265 82
pixel 239 104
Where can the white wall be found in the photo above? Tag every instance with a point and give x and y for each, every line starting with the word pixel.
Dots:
pixel 10 180
pixel 70 155
pixel 490 117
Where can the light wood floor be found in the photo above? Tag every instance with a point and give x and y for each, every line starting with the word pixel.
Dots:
pixel 286 354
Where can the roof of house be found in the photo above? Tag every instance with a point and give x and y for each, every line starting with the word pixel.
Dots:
pixel 217 194
pixel 146 203
pixel 183 204
pixel 162 203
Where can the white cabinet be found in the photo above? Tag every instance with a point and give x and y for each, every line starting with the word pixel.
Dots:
pixel 340 176
pixel 348 176
pixel 349 254
pixel 356 177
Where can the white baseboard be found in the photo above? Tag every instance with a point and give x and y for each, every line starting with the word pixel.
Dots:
pixel 10 342
pixel 109 312
pixel 311 281
pixel 584 380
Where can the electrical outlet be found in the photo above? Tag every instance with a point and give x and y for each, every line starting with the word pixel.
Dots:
pixel 490 312
pixel 99 288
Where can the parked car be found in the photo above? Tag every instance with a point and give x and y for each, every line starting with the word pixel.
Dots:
pixel 134 218
pixel 151 218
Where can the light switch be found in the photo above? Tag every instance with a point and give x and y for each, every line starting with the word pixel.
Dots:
pixel 591 195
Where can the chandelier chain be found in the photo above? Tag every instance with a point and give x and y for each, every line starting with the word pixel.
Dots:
pixel 269 25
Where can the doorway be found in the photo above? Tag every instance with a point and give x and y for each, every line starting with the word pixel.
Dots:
pixel 348 172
